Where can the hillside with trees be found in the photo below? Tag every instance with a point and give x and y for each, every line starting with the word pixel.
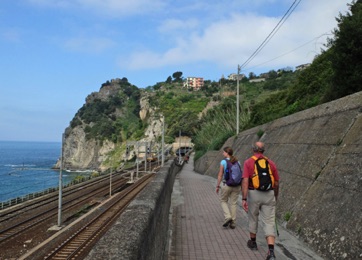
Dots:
pixel 335 73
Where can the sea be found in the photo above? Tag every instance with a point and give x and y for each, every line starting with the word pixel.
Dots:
pixel 26 167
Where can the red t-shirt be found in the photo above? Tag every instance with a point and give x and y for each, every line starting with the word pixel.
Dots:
pixel 249 168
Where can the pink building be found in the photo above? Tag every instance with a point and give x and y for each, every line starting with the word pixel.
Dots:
pixel 195 83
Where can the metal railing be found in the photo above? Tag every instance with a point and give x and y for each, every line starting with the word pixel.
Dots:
pixel 30 196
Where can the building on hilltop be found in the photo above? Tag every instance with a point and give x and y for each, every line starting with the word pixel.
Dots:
pixel 257 80
pixel 195 83
pixel 234 76
pixel 302 66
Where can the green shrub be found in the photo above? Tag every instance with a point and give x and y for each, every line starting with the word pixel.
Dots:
pixel 287 216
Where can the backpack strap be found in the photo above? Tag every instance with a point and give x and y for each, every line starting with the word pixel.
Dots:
pixel 226 169
pixel 256 158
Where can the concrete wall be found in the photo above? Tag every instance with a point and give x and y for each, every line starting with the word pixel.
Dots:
pixel 318 154
pixel 141 232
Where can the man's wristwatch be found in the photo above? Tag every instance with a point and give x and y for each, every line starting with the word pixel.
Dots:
pixel 244 199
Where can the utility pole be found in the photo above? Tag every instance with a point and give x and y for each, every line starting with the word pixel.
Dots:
pixel 145 154
pixel 138 152
pixel 110 178
pixel 150 155
pixel 179 147
pixel 237 102
pixel 163 141
pixel 60 183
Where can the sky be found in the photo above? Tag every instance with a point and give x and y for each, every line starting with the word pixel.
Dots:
pixel 54 53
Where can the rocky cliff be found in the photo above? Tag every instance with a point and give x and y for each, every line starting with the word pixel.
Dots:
pixel 116 103
pixel 318 153
pixel 82 154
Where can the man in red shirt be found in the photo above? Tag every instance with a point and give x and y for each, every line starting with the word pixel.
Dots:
pixel 256 202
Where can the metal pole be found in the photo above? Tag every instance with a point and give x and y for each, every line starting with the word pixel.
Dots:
pixel 146 156
pixel 179 146
pixel 60 184
pixel 110 180
pixel 138 154
pixel 150 155
pixel 158 155
pixel 163 141
pixel 237 103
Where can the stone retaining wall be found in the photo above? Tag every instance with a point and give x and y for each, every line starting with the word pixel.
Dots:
pixel 318 154
pixel 141 232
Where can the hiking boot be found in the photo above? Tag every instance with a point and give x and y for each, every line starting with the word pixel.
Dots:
pixel 270 256
pixel 232 225
pixel 227 222
pixel 252 245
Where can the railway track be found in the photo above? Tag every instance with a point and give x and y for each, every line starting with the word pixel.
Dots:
pixel 50 198
pixel 51 212
pixel 78 244
pixel 27 225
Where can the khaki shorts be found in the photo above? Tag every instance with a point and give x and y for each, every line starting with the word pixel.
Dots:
pixel 262 203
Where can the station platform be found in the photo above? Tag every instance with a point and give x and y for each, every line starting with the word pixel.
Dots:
pixel 197 231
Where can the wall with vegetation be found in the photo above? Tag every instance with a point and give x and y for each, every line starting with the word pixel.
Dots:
pixel 318 153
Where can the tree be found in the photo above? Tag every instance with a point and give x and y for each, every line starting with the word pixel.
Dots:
pixel 347 53
pixel 177 76
pixel 169 79
pixel 272 74
pixel 252 75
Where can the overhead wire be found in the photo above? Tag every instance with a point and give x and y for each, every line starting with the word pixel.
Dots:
pixel 272 33
pixel 286 53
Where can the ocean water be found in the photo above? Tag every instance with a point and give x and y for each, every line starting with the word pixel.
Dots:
pixel 25 167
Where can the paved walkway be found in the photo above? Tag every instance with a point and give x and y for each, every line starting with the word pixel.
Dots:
pixel 196 226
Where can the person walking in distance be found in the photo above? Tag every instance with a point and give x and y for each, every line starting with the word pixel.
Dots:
pixel 230 174
pixel 260 189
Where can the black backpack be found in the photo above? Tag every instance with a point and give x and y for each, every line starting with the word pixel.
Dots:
pixel 262 178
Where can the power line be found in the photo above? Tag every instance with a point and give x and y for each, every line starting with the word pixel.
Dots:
pixel 286 53
pixel 272 33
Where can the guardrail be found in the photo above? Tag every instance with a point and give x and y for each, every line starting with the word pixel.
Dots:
pixel 34 195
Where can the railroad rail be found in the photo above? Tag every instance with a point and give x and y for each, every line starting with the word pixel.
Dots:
pixel 27 225
pixel 45 200
pixel 78 244
pixel 70 204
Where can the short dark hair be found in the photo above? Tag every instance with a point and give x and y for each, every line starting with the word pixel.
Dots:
pixel 257 148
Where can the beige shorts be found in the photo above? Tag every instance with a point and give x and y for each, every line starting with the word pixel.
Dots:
pixel 262 203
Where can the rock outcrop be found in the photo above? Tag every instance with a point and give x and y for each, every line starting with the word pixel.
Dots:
pixel 82 152
pixel 318 153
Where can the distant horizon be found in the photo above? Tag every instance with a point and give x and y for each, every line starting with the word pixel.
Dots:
pixel 30 141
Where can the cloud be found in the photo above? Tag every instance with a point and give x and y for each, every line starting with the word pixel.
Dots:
pixel 224 42
pixel 231 41
pixel 88 44
pixel 116 7
pixel 176 25
pixel 112 8
pixel 186 32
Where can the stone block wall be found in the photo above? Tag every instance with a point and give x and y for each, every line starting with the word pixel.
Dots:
pixel 318 153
